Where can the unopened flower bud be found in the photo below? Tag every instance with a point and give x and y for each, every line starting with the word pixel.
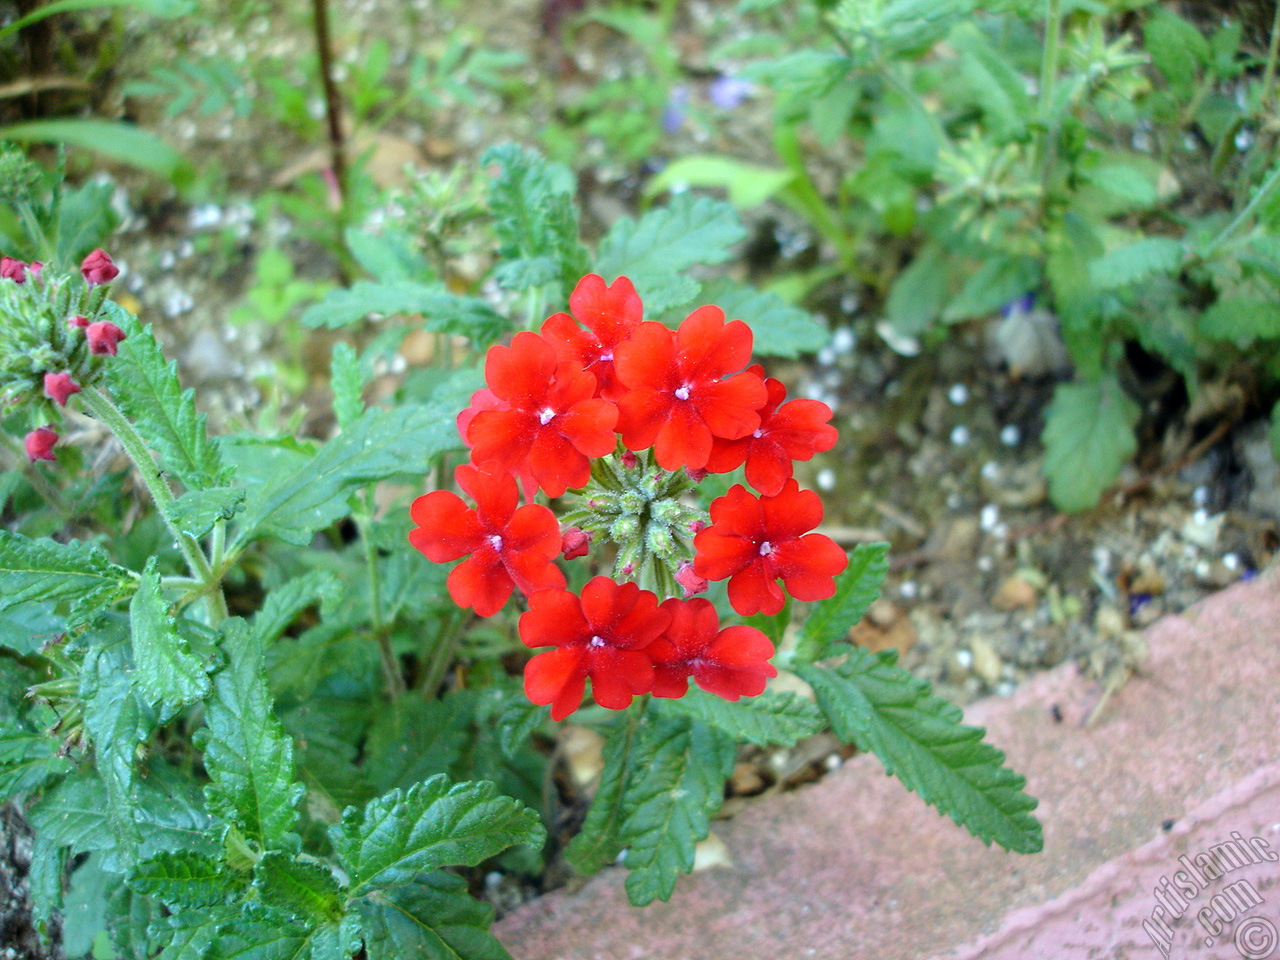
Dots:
pixel 575 543
pixel 625 530
pixel 695 475
pixel 689 581
pixel 39 443
pixel 629 459
pixel 97 268
pixel 631 502
pixel 11 269
pixel 103 337
pixel 697 526
pixel 660 541
pixel 59 386
pixel 667 511
pixel 78 321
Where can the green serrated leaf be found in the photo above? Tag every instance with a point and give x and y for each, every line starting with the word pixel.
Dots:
pixel 999 89
pixel 919 738
pixel 388 256
pixel 856 589
pixel 190 934
pixel 117 721
pixel 432 918
pixel 44 571
pixel 129 917
pixel 302 889
pixel 166 673
pixel 918 293
pixel 680 769
pixel 598 843
pixel 1126 181
pixel 285 602
pixel 748 184
pixel 434 824
pixel 535 217
pixel 1136 261
pixel 655 251
pixel 196 511
pixel 998 281
pixel 1088 435
pixel 779 329
pixel 1176 47
pixel 296 502
pixel 518 721
pixel 770 718
pixel 347 383
pixel 247 754
pixel 1241 321
pixel 269 935
pixel 442 311
pixel 184 880
pixel 147 389
pixel 415 740
pixel 84 907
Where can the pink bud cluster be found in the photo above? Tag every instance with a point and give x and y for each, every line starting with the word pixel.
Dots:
pixel 85 339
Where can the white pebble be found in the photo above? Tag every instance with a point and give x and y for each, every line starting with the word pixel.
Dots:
pixel 958 394
pixel 989 517
pixel 826 356
pixel 1200 496
pixel 964 658
pixel 954 500
pixel 991 470
pixel 960 436
pixel 1231 561
pixel 843 340
pixel 832 762
pixel 1201 517
pixel 826 479
pixel 909 589
pixel 1010 435
pixel 986 564
pixel 1000 531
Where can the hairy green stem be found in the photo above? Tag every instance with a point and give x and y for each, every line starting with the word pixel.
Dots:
pixel 1048 89
pixel 390 667
pixel 1269 72
pixel 1242 217
pixel 105 410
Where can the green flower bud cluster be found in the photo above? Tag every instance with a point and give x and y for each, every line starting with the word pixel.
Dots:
pixel 638 506
pixel 43 323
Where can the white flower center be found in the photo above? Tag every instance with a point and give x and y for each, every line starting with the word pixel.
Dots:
pixel 758 434
pixel 597 642
pixel 495 541
pixel 545 416
pixel 766 548
pixel 682 393
pixel 606 356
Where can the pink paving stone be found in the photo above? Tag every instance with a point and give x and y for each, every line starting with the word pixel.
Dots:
pixel 855 867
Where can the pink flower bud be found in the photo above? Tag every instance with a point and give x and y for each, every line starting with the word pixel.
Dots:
pixel 103 337
pixel 39 443
pixel 97 268
pixel 695 475
pixel 78 321
pixel 59 386
pixel 697 526
pixel 34 268
pixel 629 460
pixel 690 581
pixel 11 269
pixel 575 543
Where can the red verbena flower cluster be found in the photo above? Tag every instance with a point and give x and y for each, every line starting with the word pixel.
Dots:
pixel 629 415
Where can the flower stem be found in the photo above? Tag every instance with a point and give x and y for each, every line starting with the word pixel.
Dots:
pixel 105 410
pixel 1269 72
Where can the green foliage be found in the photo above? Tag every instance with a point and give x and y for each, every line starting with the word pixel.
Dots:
pixel 169 675
pixel 856 589
pixel 77 575
pixel 1088 436
pixel 919 738
pixel 771 718
pixel 656 251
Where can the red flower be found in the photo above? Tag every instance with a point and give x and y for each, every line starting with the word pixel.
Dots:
pixel 508 547
pixel 59 386
pixel 554 424
pixel 97 268
pixel 689 580
pixel 756 542
pixel 731 663
pixel 610 314
pixel 103 337
pixel 793 431
pixel 680 394
pixel 602 636
pixel 39 443
pixel 484 399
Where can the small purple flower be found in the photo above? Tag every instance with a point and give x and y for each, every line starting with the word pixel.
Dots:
pixel 673 116
pixel 1022 305
pixel 728 92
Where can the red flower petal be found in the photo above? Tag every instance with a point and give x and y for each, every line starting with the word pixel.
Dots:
pixel 557 677
pixel 736 664
pixel 447 529
pixel 481 583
